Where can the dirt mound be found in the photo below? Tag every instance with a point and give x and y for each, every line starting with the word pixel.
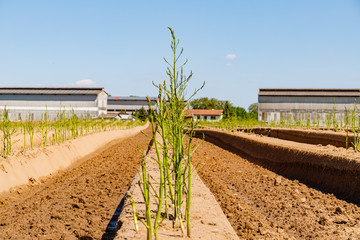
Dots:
pixel 263 205
pixel 309 136
pixel 327 168
pixel 40 162
pixel 76 203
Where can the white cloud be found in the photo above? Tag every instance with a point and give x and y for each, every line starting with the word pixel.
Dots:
pixel 85 82
pixel 230 56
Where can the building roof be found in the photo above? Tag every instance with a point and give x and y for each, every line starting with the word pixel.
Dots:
pixel 51 90
pixel 131 99
pixel 203 112
pixel 315 92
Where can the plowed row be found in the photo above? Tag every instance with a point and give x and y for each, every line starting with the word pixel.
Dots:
pixel 77 203
pixel 263 205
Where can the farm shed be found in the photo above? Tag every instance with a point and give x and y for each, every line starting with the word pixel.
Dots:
pixel 129 104
pixel 34 102
pixel 204 114
pixel 314 105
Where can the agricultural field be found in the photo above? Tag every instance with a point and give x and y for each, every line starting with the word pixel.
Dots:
pixel 261 198
pixel 174 177
pixel 18 137
pixel 283 183
pixel 347 124
pixel 107 130
pixel 76 203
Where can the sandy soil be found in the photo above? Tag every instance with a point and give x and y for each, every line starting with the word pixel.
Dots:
pixel 309 136
pixel 41 162
pixel 327 168
pixel 17 139
pixel 76 203
pixel 208 221
pixel 263 205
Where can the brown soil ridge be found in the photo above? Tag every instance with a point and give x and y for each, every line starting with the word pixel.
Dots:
pixel 323 137
pixel 263 205
pixel 332 170
pixel 76 203
pixel 207 219
pixel 40 162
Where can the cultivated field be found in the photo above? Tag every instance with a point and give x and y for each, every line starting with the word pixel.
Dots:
pixel 18 137
pixel 270 184
pixel 75 203
pixel 260 182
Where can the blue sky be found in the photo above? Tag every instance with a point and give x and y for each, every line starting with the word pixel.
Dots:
pixel 236 47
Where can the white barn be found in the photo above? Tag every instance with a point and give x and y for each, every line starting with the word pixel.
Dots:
pixel 129 104
pixel 33 102
pixel 277 104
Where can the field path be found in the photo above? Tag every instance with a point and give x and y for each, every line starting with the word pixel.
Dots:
pixel 77 203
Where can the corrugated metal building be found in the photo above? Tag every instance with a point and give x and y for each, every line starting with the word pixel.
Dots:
pixel 34 102
pixel 277 104
pixel 129 104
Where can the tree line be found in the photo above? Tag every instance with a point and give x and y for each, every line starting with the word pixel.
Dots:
pixel 229 110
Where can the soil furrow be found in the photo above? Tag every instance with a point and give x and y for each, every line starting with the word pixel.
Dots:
pixel 76 203
pixel 308 136
pixel 263 205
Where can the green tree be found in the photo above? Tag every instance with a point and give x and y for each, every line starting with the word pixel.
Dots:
pixel 227 111
pixel 141 114
pixel 253 110
pixel 206 103
pixel 241 112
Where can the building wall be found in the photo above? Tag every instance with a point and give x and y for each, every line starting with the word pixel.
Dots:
pixel 293 108
pixel 308 99
pixel 101 102
pixel 207 118
pixel 49 100
pixel 128 106
pixel 35 106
